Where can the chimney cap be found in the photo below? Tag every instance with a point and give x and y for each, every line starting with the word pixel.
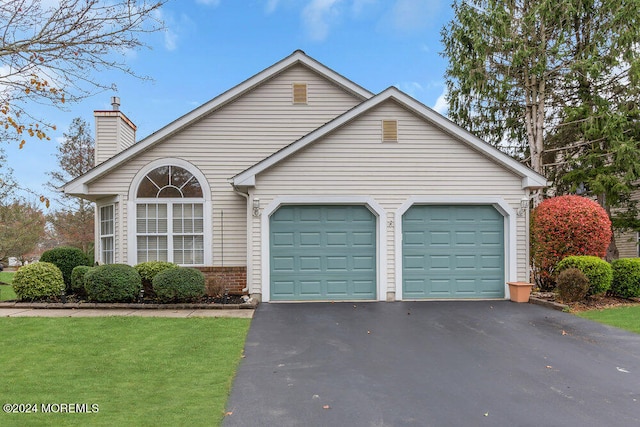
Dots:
pixel 115 103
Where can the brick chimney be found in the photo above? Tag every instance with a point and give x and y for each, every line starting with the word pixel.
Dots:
pixel 114 132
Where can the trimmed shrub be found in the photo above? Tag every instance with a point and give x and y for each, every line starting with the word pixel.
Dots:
pixel 66 259
pixel 148 270
pixel 38 280
pixel 77 279
pixel 626 277
pixel 573 285
pixel 566 226
pixel 112 283
pixel 597 270
pixel 179 285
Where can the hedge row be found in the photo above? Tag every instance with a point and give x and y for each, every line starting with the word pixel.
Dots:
pixel 620 278
pixel 110 283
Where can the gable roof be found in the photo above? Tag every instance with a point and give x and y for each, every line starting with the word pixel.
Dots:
pixel 530 179
pixel 79 185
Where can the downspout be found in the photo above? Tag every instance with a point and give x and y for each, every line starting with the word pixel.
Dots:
pixel 249 238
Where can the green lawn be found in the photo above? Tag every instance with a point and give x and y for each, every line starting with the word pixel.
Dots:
pixel 6 292
pixel 627 317
pixel 138 371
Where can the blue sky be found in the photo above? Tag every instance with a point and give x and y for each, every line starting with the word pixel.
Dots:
pixel 210 46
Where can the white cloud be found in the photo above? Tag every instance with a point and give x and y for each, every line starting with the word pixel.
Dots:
pixel 441 106
pixel 359 6
pixel 414 15
pixel 175 27
pixel 271 6
pixel 318 16
pixel 213 3
pixel 170 40
pixel 410 88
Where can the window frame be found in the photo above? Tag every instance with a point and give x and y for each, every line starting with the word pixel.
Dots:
pixel 107 236
pixel 205 201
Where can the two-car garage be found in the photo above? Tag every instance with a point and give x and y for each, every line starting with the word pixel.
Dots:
pixel 330 252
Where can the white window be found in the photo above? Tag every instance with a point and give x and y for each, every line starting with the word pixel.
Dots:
pixel 170 217
pixel 107 227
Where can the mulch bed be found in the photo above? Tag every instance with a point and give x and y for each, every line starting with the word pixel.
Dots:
pixel 595 302
pixel 228 299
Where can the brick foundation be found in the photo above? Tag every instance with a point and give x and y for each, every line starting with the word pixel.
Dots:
pixel 219 279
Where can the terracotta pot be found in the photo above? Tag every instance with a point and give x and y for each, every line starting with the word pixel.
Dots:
pixel 520 291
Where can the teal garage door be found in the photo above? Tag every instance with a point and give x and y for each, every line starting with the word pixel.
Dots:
pixel 452 252
pixel 322 253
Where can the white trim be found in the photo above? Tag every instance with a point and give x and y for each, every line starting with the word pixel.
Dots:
pixel 112 235
pixel 510 241
pixel 206 200
pixel 78 186
pixel 530 179
pixel 369 202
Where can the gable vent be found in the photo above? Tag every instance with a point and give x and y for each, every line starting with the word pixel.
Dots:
pixel 389 131
pixel 299 93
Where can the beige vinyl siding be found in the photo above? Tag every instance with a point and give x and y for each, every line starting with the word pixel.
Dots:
pixel 353 161
pixel 106 131
pixel 627 241
pixel 232 139
pixel 114 133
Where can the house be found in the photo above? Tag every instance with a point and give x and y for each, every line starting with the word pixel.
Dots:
pixel 298 184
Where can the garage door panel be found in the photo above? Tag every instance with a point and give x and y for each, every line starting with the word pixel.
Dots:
pixel 414 262
pixel 364 238
pixel 439 238
pixel 337 239
pixel 309 215
pixel 439 287
pixel 453 252
pixel 465 238
pixel 282 287
pixel 333 252
pixel 491 262
pixel 283 239
pixel 439 262
pixel 337 263
pixel 337 287
pixel 310 239
pixel 364 263
pixel 310 263
pixel 283 264
pixel 310 287
pixel 363 287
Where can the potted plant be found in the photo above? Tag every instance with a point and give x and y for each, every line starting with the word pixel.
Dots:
pixel 520 291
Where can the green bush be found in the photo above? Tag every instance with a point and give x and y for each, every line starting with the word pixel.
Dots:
pixel 179 285
pixel 150 269
pixel 572 285
pixel 77 279
pixel 112 283
pixel 66 259
pixel 597 270
pixel 38 280
pixel 626 277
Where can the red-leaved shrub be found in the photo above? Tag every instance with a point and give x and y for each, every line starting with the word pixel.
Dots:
pixel 564 226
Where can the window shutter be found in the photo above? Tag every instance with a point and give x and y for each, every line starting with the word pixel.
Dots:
pixel 299 93
pixel 390 131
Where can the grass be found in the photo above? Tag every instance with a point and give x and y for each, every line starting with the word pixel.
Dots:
pixel 139 371
pixel 6 292
pixel 627 317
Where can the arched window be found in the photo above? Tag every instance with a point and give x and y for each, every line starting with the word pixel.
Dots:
pixel 170 217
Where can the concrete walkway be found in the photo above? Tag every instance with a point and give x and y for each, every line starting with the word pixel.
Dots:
pixel 88 312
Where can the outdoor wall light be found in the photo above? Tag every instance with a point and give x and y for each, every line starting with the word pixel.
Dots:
pixel 256 207
pixel 524 206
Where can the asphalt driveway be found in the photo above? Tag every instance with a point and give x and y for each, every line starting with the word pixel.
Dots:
pixel 481 363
